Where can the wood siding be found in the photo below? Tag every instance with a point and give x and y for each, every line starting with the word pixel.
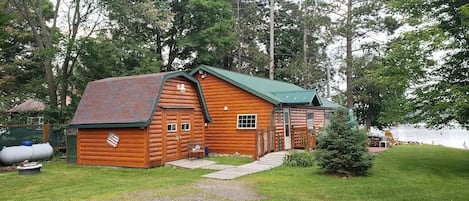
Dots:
pixel 298 119
pixel 131 151
pixel 279 131
pixel 319 119
pixel 178 107
pixel 222 135
pixel 152 146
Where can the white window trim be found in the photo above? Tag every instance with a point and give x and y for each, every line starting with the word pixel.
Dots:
pixel 175 127
pixel 244 128
pixel 35 120
pixel 188 129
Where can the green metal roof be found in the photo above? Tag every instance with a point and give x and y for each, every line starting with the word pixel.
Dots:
pixel 273 91
pixel 299 97
pixel 330 104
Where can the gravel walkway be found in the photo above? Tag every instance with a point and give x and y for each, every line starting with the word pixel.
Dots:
pixel 203 190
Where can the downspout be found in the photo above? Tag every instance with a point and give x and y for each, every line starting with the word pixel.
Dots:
pixel 272 123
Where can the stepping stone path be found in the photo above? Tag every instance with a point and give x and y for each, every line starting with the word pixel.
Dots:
pixel 267 162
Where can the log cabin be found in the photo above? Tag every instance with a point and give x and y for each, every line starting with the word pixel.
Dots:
pixel 253 115
pixel 139 121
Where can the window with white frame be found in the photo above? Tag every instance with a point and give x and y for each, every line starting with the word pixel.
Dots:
pixel 247 121
pixel 185 127
pixel 172 127
pixel 35 120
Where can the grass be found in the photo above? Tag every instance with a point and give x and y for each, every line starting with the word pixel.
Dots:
pixel 401 173
pixel 59 181
pixel 230 160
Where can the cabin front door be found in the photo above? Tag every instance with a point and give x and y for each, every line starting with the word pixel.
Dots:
pixel 286 124
pixel 178 132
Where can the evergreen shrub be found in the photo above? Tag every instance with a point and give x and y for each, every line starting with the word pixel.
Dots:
pixel 343 150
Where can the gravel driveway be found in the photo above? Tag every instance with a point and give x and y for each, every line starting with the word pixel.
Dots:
pixel 203 190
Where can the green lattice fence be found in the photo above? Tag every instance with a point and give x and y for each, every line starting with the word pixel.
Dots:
pixel 14 135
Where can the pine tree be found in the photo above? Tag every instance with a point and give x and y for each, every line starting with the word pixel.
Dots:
pixel 343 150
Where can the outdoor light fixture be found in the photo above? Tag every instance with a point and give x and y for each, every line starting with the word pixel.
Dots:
pixel 181 88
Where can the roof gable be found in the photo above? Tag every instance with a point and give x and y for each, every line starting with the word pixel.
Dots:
pixel 273 91
pixel 125 101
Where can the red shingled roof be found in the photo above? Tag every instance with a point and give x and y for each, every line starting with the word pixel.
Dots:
pixel 28 105
pixel 122 101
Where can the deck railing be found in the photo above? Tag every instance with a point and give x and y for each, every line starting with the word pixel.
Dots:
pixel 265 142
pixel 303 138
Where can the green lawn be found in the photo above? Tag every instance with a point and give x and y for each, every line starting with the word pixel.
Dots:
pixel 59 181
pixel 230 160
pixel 402 173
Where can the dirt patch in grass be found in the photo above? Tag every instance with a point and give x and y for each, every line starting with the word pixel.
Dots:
pixel 204 189
pixel 7 168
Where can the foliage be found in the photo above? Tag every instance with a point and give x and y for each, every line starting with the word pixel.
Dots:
pixel 300 159
pixel 20 70
pixel 45 50
pixel 102 58
pixel 249 57
pixel 369 93
pixel 302 34
pixel 192 31
pixel 341 149
pixel 442 100
pixel 358 20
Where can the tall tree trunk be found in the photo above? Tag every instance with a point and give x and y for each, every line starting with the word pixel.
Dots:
pixel 34 18
pixel 75 23
pixel 238 27
pixel 51 84
pixel 305 41
pixel 271 51
pixel 349 58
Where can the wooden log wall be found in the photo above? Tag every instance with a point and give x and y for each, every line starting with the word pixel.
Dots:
pixel 131 150
pixel 173 98
pixel 222 135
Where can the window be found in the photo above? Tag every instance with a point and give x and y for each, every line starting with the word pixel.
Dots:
pixel 247 121
pixel 34 120
pixel 185 127
pixel 310 119
pixel 172 127
pixel 328 117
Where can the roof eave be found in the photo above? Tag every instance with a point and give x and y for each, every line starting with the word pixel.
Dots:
pixel 111 125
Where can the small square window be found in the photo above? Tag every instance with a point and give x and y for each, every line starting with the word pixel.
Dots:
pixel 247 121
pixel 171 127
pixel 185 127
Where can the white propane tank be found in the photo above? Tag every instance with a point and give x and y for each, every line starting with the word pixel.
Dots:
pixel 41 151
pixel 14 154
